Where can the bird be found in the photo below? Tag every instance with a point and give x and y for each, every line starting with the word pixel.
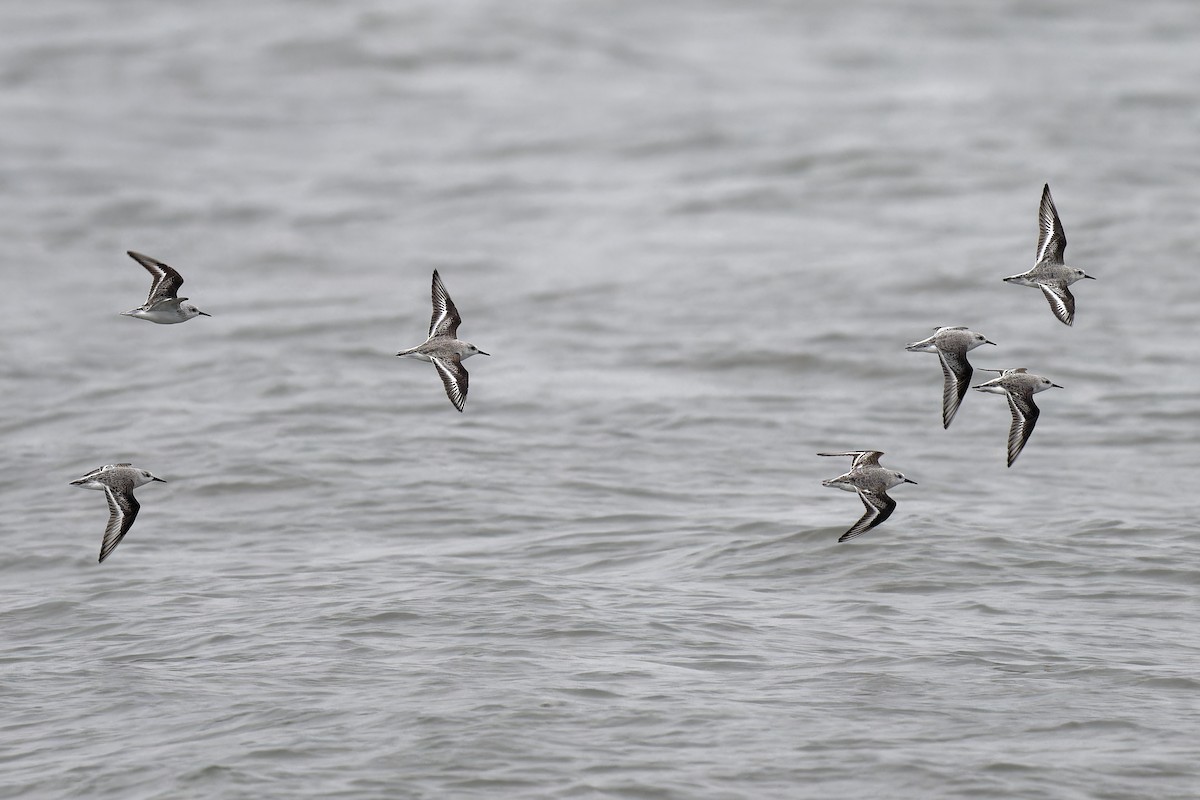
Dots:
pixel 162 305
pixel 871 481
pixel 118 482
pixel 1049 273
pixel 1019 386
pixel 443 348
pixel 951 345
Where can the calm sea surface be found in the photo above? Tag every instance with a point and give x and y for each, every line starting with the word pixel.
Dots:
pixel 695 238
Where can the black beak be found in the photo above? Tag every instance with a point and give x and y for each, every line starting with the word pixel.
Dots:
pixel 204 314
pixel 482 353
pixel 1090 277
pixel 160 480
pixel 1056 386
pixel 988 341
pixel 906 480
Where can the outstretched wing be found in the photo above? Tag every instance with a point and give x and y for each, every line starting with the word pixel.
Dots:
pixel 1024 416
pixel 445 320
pixel 166 280
pixel 122 511
pixel 454 378
pixel 957 371
pixel 862 458
pixel 105 468
pixel 1062 302
pixel 1052 242
pixel 879 507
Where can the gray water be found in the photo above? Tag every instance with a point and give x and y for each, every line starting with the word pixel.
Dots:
pixel 695 238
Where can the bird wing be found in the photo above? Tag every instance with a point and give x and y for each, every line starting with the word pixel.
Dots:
pixel 1062 302
pixel 105 468
pixel 445 319
pixel 454 377
pixel 1024 416
pixel 879 507
pixel 862 458
pixel 1052 242
pixel 166 280
pixel 957 371
pixel 122 511
pixel 867 458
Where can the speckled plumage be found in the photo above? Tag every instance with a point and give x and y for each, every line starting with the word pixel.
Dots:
pixel 117 481
pixel 951 345
pixel 1049 273
pixel 871 481
pixel 1019 386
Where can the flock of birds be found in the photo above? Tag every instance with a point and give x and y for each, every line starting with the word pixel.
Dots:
pixel 1054 278
pixel 442 348
pixel 867 477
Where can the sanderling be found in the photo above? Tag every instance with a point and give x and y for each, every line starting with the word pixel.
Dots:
pixel 1049 273
pixel 951 345
pixel 1019 386
pixel 871 481
pixel 443 348
pixel 118 482
pixel 162 306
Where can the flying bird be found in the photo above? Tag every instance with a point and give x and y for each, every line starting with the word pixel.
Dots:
pixel 118 482
pixel 1049 273
pixel 1019 386
pixel 871 481
pixel 162 305
pixel 443 348
pixel 951 345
